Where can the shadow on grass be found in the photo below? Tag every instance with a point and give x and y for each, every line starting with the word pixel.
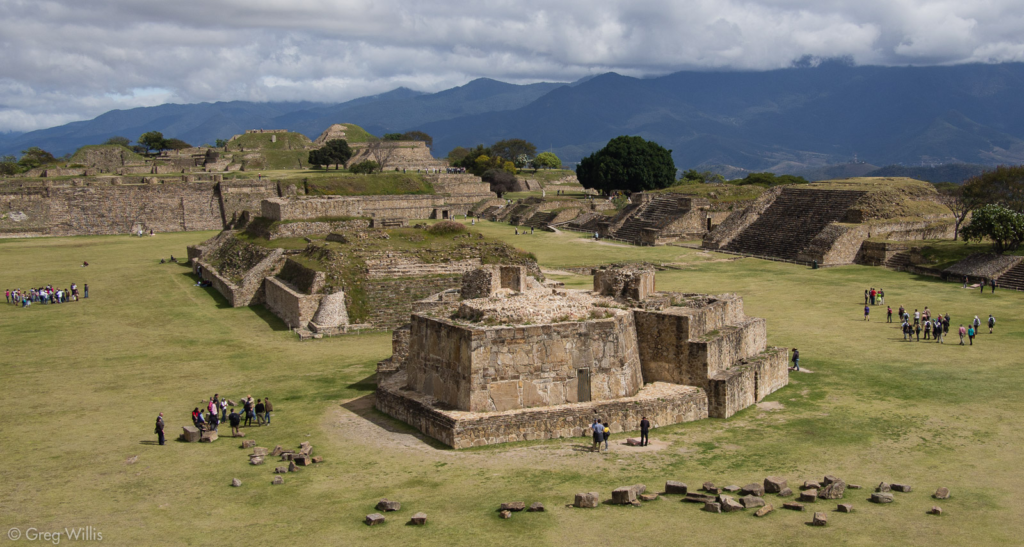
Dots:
pixel 273 321
pixel 213 293
pixel 363 407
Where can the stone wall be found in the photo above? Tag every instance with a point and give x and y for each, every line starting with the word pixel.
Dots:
pixel 295 308
pixel 625 282
pixel 502 368
pixel 739 387
pixel 841 243
pixel 245 195
pixel 249 290
pixel 393 299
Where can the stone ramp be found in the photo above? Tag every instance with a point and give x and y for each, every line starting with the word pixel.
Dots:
pixel 792 221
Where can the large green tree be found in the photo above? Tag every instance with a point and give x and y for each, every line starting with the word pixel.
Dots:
pixel 334 152
pixel 122 141
pixel 418 136
pixel 35 157
pixel 547 160
pixel 152 140
pixel 8 165
pixel 627 163
pixel 1005 227
pixel 176 144
pixel 511 149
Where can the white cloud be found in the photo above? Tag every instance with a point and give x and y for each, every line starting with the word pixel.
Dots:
pixel 67 59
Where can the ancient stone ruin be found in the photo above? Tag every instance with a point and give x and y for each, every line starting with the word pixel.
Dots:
pixel 507 358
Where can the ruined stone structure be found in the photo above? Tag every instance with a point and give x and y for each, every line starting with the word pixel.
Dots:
pixel 499 364
pixel 406 154
pixel 820 223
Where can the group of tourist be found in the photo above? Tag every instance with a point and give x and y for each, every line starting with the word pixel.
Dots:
pixel 936 328
pixel 216 411
pixel 873 297
pixel 601 433
pixel 44 295
pixel 981 284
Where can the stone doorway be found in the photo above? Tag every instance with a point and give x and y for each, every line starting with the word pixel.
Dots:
pixel 583 385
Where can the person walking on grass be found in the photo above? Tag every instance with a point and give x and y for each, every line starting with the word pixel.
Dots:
pixel 268 408
pixel 992 282
pixel 247 410
pixel 796 359
pixel 917 317
pixel 607 435
pixel 917 329
pixel 976 323
pixel 927 330
pixel 235 420
pixel 963 332
pixel 867 310
pixel 881 296
pixel 991 323
pixel 645 429
pixel 902 311
pixel 937 331
pixel 160 428
pixel 888 314
pixel 598 432
pixel 867 296
pixel 260 410
pixel 982 285
pixel 873 295
pixel 970 334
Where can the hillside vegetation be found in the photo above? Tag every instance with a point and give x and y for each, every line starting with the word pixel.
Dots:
pixel 377 184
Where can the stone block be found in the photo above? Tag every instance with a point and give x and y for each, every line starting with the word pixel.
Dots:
pixel 941 493
pixel 749 502
pixel 277 451
pixel 280 470
pixel 208 437
pixel 902 488
pixel 513 506
pixel 753 489
pixel 306 451
pixel 586 499
pixel 730 505
pixel 633 442
pixel 236 482
pixel 844 508
pixel 809 485
pixel 623 495
pixel 883 487
pixel 793 505
pixel 820 519
pixel 785 493
pixel 292 467
pixel 536 507
pixel 238 434
pixel 732 489
pixel 694 497
pixel 389 505
pixel 881 497
pixel 675 487
pixel 648 497
pixel 302 460
pixel 774 485
pixel 708 486
pixel 256 460
pixel 828 479
pixel 935 510
pixel 259 451
pixel 418 519
pixel 248 444
pixel 854 486
pixel 374 519
pixel 764 510
pixel 506 514
pixel 318 459
pixel 712 507
pixel 833 491
pixel 278 479
pixel 808 495
pixel 191 434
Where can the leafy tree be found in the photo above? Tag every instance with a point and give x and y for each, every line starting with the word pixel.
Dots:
pixel 418 136
pixel 456 156
pixel 334 152
pixel 628 163
pixel 961 200
pixel 1003 185
pixel 8 165
pixel 501 181
pixel 34 157
pixel 1005 227
pixel 770 179
pixel 364 167
pixel 547 160
pixel 221 143
pixel 510 149
pixel 693 176
pixel 393 137
pixel 382 152
pixel 176 144
pixel 152 140
pixel 121 141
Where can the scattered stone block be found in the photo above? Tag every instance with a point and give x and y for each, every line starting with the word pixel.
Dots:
pixel 238 434
pixel 708 486
pixel 292 467
pixel 811 485
pixel 829 479
pixel 732 488
pixel 280 470
pixel 844 508
pixel 304 444
pixel 694 497
pixel 715 491
pixel 881 497
pixel 633 442
pixel 287 456
pixel 506 514
pixel 902 488
pixel 675 487
pixel 730 505
pixel 883 487
pixel 753 489
pixel 635 503
pixel 749 501
pixel 623 495
pixel 536 507
pixel 318 459
pixel 820 519
pixel 808 495
pixel 834 490
pixel 941 493
pixel 785 493
pixel 774 485
pixel 277 451
pixel 586 499
pixel 639 488
pixel 208 437
pixel 307 451
pixel 712 507
pixel 387 505
pixel 374 518
pixel 236 482
pixel 764 510
pixel 248 444
pixel 278 479
pixel 513 506
pixel 259 451
pixel 302 460
pixel 231 403
pixel 854 486
pixel 793 505
pixel 191 434
pixel 648 497
pixel 419 519
pixel 936 510
pixel 256 460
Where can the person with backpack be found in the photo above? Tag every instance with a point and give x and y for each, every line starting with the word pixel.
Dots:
pixel 937 331
pixel 235 420
pixel 247 409
pixel 598 432
pixel 976 323
pixel 888 314
pixel 970 334
pixel 991 323
pixel 607 435
pixel 927 329
pixel 917 329
pixel 160 428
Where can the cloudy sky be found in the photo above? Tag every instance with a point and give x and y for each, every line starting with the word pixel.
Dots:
pixel 66 60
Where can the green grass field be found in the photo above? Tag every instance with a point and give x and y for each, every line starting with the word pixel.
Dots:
pixel 82 384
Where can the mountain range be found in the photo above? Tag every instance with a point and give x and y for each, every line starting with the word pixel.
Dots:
pixel 788 121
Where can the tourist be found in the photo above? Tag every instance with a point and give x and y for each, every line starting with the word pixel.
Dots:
pixel 598 432
pixel 517 231
pixel 200 421
pixel 268 408
pixel 965 281
pixel 86 263
pixel 992 282
pixel 195 416
pixel 211 419
pixel 927 329
pixel 235 420
pixel 7 294
pixel 970 334
pixel 247 410
pixel 86 286
pixel 607 435
pixel 881 296
pixel 160 428
pixel 963 332
pixel 991 323
pixel 937 332
pixel 917 317
pixel 917 329
pixel 645 428
pixel 888 314
pixel 867 310
pixel 976 323
pixel 260 409
pixel 796 359
pixel 982 285
pixel 873 295
pixel 867 296
pixel 905 327
pixel 902 311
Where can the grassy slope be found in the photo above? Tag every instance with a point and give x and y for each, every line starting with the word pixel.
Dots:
pixel 83 383
pixel 339 183
pixel 79 155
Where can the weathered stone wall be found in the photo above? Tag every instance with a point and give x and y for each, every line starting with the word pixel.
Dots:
pixel 393 299
pixel 739 387
pixel 295 308
pixel 249 290
pixel 246 195
pixel 841 243
pixel 633 283
pixel 738 221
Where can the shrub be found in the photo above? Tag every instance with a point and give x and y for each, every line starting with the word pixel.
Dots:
pixel 446 227
pixel 364 167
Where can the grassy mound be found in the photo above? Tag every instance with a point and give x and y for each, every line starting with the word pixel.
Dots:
pixel 447 227
pixel 264 141
pixel 354 133
pixel 379 184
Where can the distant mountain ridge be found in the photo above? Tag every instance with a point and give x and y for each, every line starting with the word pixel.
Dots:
pixel 794 120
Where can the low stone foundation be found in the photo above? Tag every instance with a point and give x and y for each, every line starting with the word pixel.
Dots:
pixel 663 404
pixel 733 389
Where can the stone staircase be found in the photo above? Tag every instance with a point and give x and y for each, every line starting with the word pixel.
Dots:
pixel 390 268
pixel 490 212
pixel 898 261
pixel 540 220
pixel 1013 278
pixel 789 224
pixel 586 222
pixel 653 214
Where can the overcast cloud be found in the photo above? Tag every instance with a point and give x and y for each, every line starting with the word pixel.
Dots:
pixel 66 60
